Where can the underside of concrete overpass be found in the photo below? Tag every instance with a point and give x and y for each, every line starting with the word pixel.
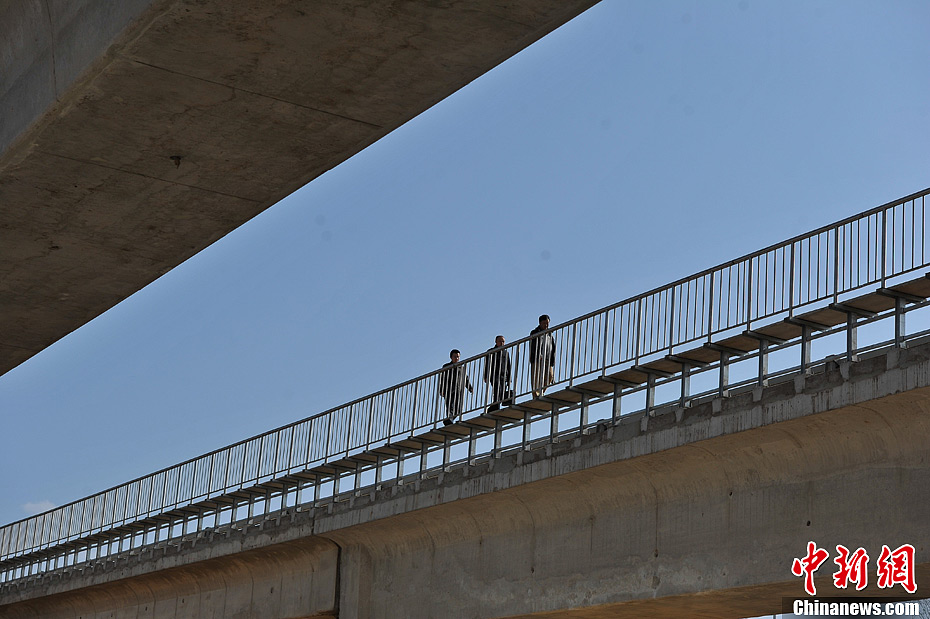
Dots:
pixel 135 133
pixel 697 516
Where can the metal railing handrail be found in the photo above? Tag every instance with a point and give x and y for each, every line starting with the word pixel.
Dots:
pixel 743 258
pixel 12 535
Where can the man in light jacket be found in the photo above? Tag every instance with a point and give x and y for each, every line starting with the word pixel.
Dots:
pixel 542 357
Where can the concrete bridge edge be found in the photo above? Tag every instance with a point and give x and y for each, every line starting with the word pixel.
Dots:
pixel 707 528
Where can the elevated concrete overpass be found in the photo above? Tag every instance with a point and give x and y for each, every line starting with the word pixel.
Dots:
pixel 135 133
pixel 700 515
pixel 568 502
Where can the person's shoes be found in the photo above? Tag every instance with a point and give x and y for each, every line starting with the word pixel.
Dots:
pixel 447 422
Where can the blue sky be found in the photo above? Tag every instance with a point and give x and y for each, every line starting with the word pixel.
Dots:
pixel 640 143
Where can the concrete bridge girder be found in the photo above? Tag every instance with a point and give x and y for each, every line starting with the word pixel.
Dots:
pixel 283 581
pixel 639 540
pixel 99 98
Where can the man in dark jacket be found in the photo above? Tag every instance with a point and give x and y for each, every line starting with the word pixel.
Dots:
pixel 452 383
pixel 542 357
pixel 497 373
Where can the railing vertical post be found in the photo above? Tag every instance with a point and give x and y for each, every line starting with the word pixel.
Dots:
pixel 498 428
pixel 583 413
pixel 836 264
pixel 791 282
pixel 884 238
pixel 710 307
pixel 554 423
pixel 899 316
pixel 606 322
pixel 748 299
pixel 571 363
pixel 261 459
pixel 526 431
pixel 671 321
pixel 852 343
pixel 70 522
pixel 650 392
pixel 245 454
pixel 416 401
pixel 391 405
pixel 93 507
pixel 177 493
pixel 291 443
pixel 685 400
pixel 371 420
pixel 763 363
pixel 516 370
pixel 722 390
pixel 228 457
pixel 210 474
pixel 805 349
pixel 617 400
pixel 348 429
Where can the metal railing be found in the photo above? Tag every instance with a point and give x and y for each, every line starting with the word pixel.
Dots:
pixel 827 264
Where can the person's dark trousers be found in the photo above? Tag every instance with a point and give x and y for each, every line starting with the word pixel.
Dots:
pixel 454 403
pixel 499 392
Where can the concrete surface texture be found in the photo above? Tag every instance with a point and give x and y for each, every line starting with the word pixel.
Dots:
pixel 700 517
pixel 98 99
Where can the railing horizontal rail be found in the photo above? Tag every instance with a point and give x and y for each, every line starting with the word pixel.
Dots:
pixel 870 248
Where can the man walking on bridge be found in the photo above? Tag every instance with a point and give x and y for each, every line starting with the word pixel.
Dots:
pixel 542 357
pixel 452 383
pixel 497 374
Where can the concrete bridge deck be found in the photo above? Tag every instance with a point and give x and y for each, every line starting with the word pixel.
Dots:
pixel 699 516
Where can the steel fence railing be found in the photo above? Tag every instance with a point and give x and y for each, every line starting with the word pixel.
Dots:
pixel 782 280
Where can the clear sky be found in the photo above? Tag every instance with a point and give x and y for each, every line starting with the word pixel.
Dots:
pixel 642 142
